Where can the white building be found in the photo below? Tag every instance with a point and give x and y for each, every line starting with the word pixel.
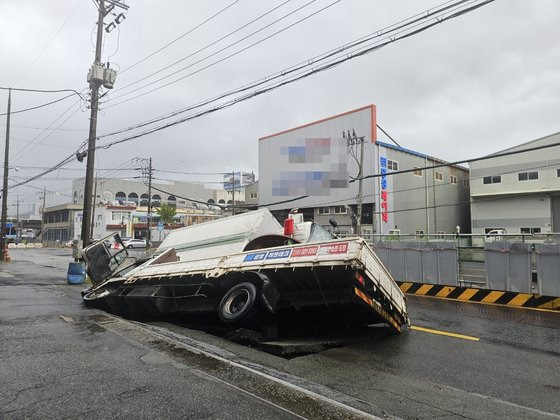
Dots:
pixel 519 193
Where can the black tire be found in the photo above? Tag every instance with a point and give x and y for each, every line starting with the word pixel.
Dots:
pixel 129 247
pixel 240 304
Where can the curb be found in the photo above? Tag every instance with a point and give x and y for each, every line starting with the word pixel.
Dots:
pixel 493 297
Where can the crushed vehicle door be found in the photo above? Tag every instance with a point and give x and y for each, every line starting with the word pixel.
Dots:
pixel 105 257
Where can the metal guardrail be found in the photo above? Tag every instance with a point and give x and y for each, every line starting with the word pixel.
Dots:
pixel 404 253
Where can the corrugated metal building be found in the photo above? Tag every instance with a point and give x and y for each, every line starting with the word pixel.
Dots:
pixel 313 167
pixel 520 192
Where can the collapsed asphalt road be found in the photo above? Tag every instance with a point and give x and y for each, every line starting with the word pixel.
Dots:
pixel 60 359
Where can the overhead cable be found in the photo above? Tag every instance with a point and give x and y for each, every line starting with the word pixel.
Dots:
pixel 181 36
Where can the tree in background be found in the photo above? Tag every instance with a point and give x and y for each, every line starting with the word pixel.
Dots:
pixel 166 213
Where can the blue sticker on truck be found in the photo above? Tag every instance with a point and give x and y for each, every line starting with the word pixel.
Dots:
pixel 257 256
pixel 280 253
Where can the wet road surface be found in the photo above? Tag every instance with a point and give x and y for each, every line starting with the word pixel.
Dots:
pixel 501 362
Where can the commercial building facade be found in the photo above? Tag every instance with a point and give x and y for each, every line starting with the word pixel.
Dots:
pixel 64 222
pixel 135 192
pixel 520 192
pixel 315 167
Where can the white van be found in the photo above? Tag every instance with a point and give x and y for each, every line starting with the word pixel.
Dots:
pixel 495 235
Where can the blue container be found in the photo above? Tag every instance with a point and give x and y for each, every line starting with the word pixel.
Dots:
pixel 76 273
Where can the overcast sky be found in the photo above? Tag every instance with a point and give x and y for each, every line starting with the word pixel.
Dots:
pixel 470 86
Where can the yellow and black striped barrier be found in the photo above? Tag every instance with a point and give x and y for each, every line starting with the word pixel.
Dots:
pixel 495 297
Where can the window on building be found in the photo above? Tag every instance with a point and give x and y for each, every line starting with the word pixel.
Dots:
pixel 254 195
pixel 530 230
pixel 340 210
pixel 324 210
pixel 438 176
pixel 120 196
pixel 133 197
pixel 466 182
pixel 210 201
pixel 494 179
pixel 527 176
pixel 558 173
pixel 419 233
pixel 144 199
pixel 172 201
pixel 394 231
pixel 418 171
pixel 453 179
pixel 222 201
pixel 392 165
pixel 119 216
pixel 156 200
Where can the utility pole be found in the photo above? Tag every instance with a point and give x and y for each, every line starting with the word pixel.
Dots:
pixel 94 85
pixel 99 75
pixel 353 140
pixel 360 196
pixel 18 225
pixel 5 187
pixel 149 232
pixel 43 213
pixel 148 173
pixel 233 192
pixel 93 207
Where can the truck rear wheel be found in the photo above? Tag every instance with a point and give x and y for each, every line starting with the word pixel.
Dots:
pixel 240 304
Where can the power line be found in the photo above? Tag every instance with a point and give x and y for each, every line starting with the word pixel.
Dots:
pixel 458 162
pixel 348 56
pixel 44 128
pixel 219 51
pixel 192 173
pixel 39 106
pixel 429 14
pixel 181 36
pixel 41 90
pixel 202 49
pixel 36 140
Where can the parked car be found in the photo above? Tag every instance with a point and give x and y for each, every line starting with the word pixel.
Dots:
pixel 134 243
pixel 495 235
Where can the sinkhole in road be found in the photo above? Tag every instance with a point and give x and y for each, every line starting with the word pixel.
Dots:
pixel 289 340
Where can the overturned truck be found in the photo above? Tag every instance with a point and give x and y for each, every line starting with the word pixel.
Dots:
pixel 248 270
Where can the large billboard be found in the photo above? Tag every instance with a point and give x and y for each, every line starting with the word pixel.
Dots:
pixel 238 180
pixel 310 166
pixel 314 161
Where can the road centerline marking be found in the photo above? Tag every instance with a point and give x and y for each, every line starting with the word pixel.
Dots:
pixel 445 333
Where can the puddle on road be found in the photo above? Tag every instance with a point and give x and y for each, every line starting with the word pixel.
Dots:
pixel 95 328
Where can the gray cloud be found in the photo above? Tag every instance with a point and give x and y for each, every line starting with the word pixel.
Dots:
pixel 468 87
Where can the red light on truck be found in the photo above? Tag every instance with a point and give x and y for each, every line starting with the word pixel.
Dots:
pixel 360 278
pixel 289 227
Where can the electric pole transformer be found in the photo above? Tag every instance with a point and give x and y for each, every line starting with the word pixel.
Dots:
pixel 98 75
